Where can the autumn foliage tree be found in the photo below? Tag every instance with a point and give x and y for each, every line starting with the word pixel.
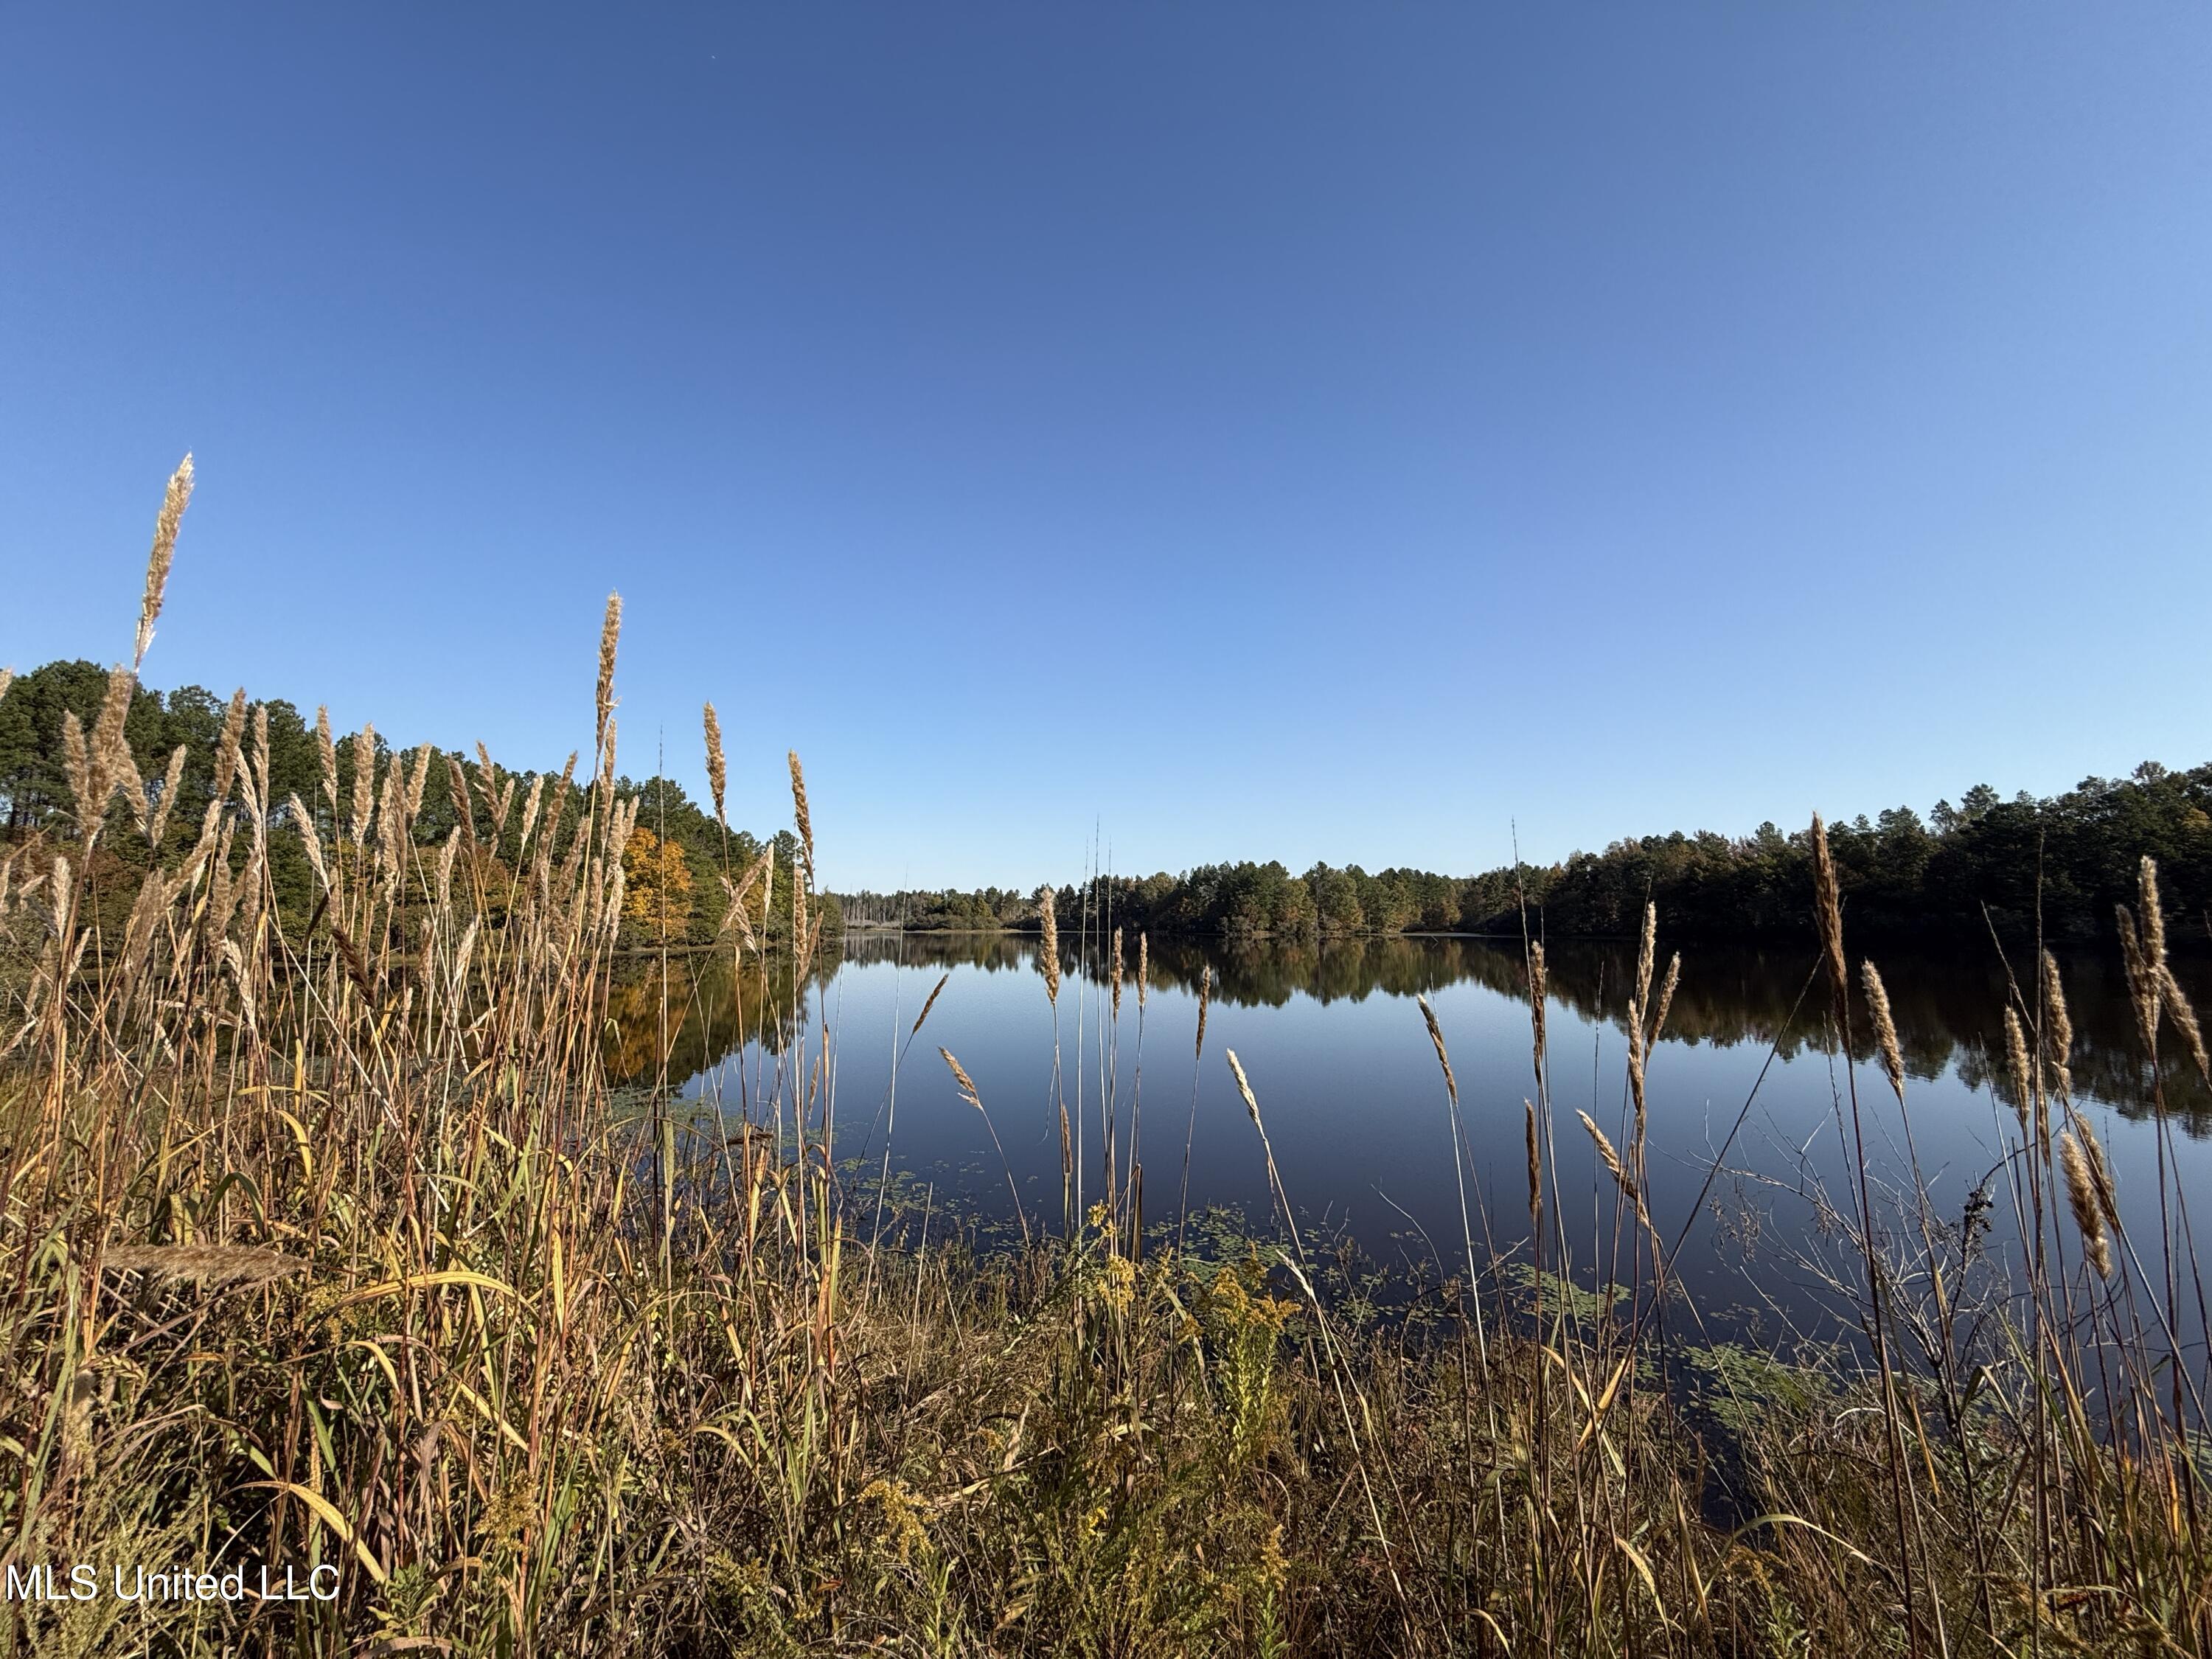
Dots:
pixel 656 885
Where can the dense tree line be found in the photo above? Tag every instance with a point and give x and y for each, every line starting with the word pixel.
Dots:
pixel 674 867
pixel 1986 863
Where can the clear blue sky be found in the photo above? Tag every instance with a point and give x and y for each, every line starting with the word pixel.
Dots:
pixel 1277 430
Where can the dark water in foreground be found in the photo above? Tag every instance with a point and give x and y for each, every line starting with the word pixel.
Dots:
pixel 1354 1101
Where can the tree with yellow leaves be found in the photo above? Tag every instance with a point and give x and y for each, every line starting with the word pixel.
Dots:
pixel 656 885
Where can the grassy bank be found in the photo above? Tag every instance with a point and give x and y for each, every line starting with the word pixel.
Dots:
pixel 337 1249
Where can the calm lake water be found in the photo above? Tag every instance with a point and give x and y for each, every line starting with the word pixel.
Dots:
pixel 1355 1105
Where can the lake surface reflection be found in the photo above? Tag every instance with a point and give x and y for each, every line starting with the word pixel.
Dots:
pixel 1354 1102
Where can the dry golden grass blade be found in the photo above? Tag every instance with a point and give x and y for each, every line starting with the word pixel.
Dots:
pixel 175 500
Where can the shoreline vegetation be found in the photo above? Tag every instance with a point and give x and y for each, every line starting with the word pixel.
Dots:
pixel 2031 871
pixel 328 1244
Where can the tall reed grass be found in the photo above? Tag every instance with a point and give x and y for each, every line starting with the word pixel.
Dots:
pixel 327 1242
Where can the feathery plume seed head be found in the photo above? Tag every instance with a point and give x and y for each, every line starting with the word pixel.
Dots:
pixel 1144 969
pixel 2023 1094
pixel 604 698
pixel 1536 997
pixel 2100 1172
pixel 1667 989
pixel 1536 1170
pixel 227 748
pixel 1049 949
pixel 7 679
pixel 2144 988
pixel 1608 1156
pixel 114 766
pixel 1885 1028
pixel 1828 917
pixel 174 502
pixel 2182 1017
pixel 457 784
pixel 206 1264
pixel 717 771
pixel 158 820
pixel 364 780
pixel 799 812
pixel 1243 1084
pixel 76 766
pixel 934 991
pixel 1646 951
pixel 2153 912
pixel 326 750
pixel 1117 973
pixel 968 1089
pixel 1436 1037
pixel 418 780
pixel 1205 998
pixel 2057 1033
pixel 2081 1199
